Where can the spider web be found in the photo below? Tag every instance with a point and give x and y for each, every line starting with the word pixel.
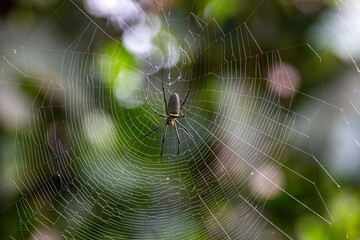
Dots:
pixel 75 169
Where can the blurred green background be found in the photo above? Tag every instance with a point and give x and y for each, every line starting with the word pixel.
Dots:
pixel 74 84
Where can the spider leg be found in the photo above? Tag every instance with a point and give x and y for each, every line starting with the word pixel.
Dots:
pixel 186 96
pixel 163 89
pixel 161 115
pixel 185 115
pixel 163 140
pixel 157 127
pixel 186 130
pixel 178 139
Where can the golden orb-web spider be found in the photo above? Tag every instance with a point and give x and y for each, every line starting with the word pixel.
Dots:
pixel 172 109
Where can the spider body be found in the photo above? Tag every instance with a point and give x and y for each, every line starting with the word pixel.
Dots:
pixel 172 109
pixel 174 105
pixel 171 121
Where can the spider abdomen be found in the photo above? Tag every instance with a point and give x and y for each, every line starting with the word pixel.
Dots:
pixel 174 105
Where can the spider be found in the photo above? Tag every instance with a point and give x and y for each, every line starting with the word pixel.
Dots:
pixel 172 109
